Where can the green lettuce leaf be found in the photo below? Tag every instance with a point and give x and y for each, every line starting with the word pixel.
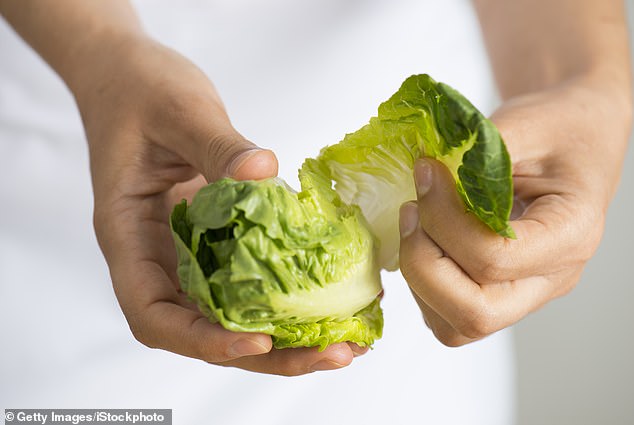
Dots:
pixel 304 267
pixel 372 167
pixel 259 257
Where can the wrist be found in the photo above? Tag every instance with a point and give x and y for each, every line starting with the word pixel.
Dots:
pixel 611 86
pixel 606 95
pixel 72 36
pixel 96 59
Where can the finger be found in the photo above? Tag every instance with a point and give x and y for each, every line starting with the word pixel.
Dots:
pixel 471 309
pixel 545 239
pixel 199 130
pixel 357 350
pixel 433 277
pixel 253 164
pixel 152 307
pixel 296 361
pixel 442 330
pixel 234 156
pixel 158 320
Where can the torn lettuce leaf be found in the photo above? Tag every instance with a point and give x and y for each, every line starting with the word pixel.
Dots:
pixel 372 167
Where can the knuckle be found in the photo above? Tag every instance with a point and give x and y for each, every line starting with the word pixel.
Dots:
pixel 449 337
pixel 296 371
pixel 567 281
pixel 210 356
pixel 411 269
pixel 289 367
pixel 584 233
pixel 139 333
pixel 427 323
pixel 476 329
pixel 479 323
pixel 211 350
pixel 491 267
pixel 407 270
pixel 99 224
pixel 591 238
pixel 487 272
pixel 134 316
pixel 220 150
pixel 445 333
pixel 102 219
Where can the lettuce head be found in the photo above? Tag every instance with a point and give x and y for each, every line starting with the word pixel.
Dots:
pixel 259 257
pixel 304 267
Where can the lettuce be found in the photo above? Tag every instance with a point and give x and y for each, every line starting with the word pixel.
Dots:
pixel 259 257
pixel 372 168
pixel 304 267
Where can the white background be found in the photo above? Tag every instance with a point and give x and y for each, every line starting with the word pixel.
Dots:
pixel 575 356
pixel 294 76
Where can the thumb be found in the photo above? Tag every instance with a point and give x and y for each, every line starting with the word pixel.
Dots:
pixel 234 156
pixel 417 251
pixel 461 236
pixel 253 164
pixel 204 137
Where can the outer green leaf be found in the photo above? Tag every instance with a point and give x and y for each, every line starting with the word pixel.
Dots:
pixel 372 168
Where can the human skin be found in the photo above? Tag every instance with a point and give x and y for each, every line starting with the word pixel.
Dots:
pixel 157 131
pixel 563 69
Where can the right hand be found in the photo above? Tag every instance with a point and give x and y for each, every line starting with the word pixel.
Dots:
pixel 157 132
pixel 468 281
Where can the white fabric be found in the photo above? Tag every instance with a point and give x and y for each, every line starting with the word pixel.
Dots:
pixel 294 76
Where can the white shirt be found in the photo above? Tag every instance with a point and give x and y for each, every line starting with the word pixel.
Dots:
pixel 295 76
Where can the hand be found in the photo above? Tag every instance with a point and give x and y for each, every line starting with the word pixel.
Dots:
pixel 567 145
pixel 157 132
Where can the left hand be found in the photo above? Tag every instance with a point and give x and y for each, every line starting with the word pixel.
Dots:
pixel 567 146
pixel 157 132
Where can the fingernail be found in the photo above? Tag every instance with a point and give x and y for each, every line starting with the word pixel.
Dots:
pixel 357 351
pixel 239 161
pixel 408 219
pixel 325 365
pixel 246 347
pixel 422 176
